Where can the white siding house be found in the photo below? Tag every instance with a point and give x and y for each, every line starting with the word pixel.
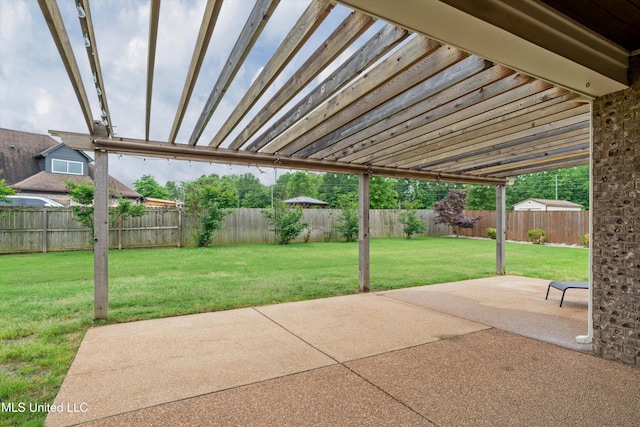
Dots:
pixel 546 205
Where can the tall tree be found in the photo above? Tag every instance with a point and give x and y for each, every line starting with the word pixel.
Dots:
pixel 333 186
pixel 251 193
pixel 481 197
pixel 382 194
pixel 149 187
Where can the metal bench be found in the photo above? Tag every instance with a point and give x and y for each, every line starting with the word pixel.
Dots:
pixel 563 286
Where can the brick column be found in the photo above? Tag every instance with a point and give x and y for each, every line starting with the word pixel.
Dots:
pixel 616 222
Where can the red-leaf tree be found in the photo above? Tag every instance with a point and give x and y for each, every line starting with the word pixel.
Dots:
pixel 450 211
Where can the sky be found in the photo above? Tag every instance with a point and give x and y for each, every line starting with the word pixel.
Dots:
pixel 36 94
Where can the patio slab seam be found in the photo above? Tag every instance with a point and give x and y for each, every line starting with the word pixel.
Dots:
pixel 376 386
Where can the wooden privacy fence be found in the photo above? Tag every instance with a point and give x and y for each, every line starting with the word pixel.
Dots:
pixel 566 227
pixel 55 229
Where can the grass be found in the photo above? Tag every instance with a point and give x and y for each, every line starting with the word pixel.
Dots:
pixel 46 300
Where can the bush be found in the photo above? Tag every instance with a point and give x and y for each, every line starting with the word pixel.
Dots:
pixel 348 221
pixel 286 222
pixel 491 233
pixel 411 224
pixel 537 236
pixel 585 240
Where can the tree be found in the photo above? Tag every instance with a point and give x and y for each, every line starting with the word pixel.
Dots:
pixel 302 184
pixel 334 185
pixel 148 187
pixel 382 195
pixel 5 190
pixel 411 224
pixel 251 193
pixel 348 221
pixel 450 211
pixel 286 222
pixel 82 194
pixel 176 191
pixel 481 197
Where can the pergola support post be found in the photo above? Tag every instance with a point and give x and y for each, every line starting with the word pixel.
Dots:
pixel 363 234
pixel 501 228
pixel 101 236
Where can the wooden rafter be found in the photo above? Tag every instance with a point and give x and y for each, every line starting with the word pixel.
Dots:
pixel 543 127
pixel 86 24
pixel 545 165
pixel 451 119
pixel 405 57
pixel 570 147
pixel 209 19
pixel 310 20
pixel 256 22
pixel 52 16
pixel 346 33
pixel 474 91
pixel 383 41
pixel 151 60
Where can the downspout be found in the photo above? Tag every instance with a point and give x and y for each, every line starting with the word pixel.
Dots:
pixel 586 339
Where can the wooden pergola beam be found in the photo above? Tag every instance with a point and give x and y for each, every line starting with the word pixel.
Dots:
pixel 140 147
pixel 91 45
pixel 405 57
pixel 209 19
pixel 410 118
pixel 306 25
pixel 151 61
pixel 52 16
pixel 439 139
pixel 578 160
pixel 565 143
pixel 258 18
pixel 550 128
pixel 383 41
pixel 342 37
pixel 507 95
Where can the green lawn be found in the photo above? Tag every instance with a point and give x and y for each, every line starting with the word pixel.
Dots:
pixel 46 300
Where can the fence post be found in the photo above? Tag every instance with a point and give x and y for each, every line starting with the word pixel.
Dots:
pixel 179 227
pixel 44 229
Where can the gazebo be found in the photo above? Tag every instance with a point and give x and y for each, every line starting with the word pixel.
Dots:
pixel 305 202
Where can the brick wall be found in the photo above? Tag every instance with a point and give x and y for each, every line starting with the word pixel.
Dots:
pixel 616 222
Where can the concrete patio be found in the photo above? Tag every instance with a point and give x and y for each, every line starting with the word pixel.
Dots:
pixel 479 352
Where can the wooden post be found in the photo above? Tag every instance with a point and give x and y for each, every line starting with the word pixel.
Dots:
pixel 45 219
pixel 101 236
pixel 363 234
pixel 501 228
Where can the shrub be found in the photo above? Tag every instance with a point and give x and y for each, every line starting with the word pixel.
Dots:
pixel 348 221
pixel 286 222
pixel 411 224
pixel 585 240
pixel 491 233
pixel 537 236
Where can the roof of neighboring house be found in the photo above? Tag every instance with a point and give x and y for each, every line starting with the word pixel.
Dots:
pixel 305 200
pixel 23 148
pixel 553 203
pixel 54 183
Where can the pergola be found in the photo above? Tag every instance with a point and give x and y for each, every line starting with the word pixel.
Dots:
pixel 455 91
